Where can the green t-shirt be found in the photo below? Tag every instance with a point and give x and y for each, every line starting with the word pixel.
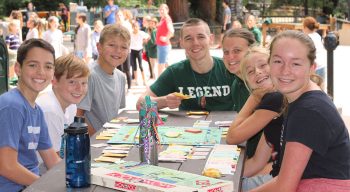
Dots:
pixel 240 94
pixel 210 91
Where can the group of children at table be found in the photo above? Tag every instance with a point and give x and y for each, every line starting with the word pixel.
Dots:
pixel 285 116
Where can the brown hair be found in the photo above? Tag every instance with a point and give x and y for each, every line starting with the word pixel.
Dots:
pixel 241 33
pixel 27 45
pixel 194 22
pixel 311 23
pixel 309 44
pixel 71 64
pixel 114 30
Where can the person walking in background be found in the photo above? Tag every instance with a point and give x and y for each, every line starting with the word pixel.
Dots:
pixel 110 11
pixel 64 15
pixel 138 38
pixel 32 25
pixel 310 27
pixel 82 46
pixel 125 22
pixel 251 25
pixel 54 36
pixel 17 17
pixel 165 30
pixel 227 16
pixel 13 42
pixel 151 46
pixel 95 37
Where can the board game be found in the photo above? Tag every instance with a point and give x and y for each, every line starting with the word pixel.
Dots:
pixel 133 176
pixel 205 135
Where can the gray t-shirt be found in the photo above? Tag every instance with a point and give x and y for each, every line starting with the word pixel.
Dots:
pixel 105 96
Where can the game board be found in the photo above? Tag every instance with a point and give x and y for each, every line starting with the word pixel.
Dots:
pixel 132 176
pixel 208 135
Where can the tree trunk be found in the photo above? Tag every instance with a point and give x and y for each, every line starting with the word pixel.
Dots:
pixel 306 7
pixel 207 10
pixel 178 10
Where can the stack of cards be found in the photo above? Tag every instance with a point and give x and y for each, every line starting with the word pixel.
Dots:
pixel 201 123
pixel 199 152
pixel 175 153
pixel 224 158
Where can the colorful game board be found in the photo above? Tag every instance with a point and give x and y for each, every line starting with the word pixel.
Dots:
pixel 132 176
pixel 207 136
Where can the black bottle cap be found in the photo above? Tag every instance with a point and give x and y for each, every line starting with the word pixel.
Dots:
pixel 78 126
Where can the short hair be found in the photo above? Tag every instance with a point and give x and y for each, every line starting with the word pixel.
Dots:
pixel 82 16
pixel 71 64
pixel 241 33
pixel 114 30
pixel 194 22
pixel 27 45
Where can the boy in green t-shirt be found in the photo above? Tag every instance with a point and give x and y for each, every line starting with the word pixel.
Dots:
pixel 203 78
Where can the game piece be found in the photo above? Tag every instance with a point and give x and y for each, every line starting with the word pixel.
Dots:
pixel 198 113
pixel 182 96
pixel 193 130
pixel 172 134
pixel 212 172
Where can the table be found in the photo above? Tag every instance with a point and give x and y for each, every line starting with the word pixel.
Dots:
pixel 54 179
pixel 288 26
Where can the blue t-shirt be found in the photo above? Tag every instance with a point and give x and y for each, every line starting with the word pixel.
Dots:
pixel 111 17
pixel 24 129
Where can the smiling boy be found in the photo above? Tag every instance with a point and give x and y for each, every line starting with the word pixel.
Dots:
pixel 23 127
pixel 106 94
pixel 69 86
pixel 203 77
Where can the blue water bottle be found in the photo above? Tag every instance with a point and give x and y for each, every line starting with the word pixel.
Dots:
pixel 78 156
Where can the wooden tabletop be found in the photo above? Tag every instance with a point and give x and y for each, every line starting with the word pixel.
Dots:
pixel 54 179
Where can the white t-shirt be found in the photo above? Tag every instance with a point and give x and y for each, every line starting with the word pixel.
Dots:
pixel 55 38
pixel 32 33
pixel 137 40
pixel 56 119
pixel 321 54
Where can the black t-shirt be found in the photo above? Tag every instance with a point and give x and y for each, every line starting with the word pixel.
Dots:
pixel 272 131
pixel 314 121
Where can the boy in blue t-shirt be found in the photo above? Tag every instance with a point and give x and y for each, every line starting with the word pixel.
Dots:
pixel 23 127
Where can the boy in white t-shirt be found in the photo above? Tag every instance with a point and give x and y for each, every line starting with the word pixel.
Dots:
pixel 69 86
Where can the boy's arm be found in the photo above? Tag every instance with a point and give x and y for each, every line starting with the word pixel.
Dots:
pixel 169 100
pixel 50 157
pixel 12 170
pixel 91 130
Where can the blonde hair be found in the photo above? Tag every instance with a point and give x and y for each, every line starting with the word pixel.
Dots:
pixel 114 30
pixel 243 64
pixel 71 64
